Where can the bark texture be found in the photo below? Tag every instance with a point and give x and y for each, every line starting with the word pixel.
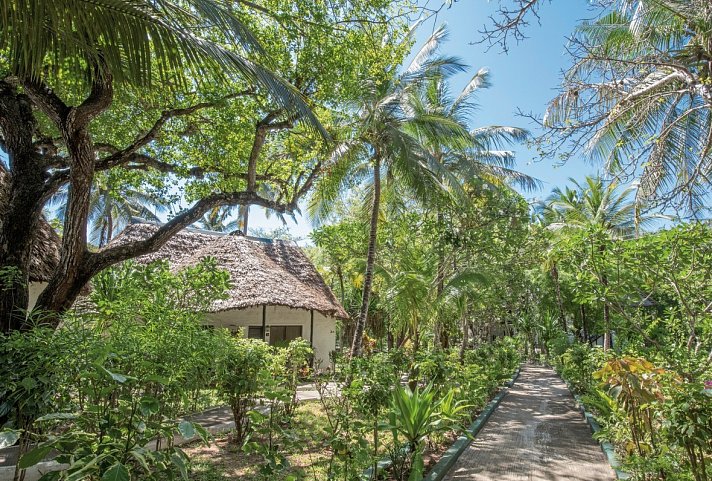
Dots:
pixel 20 217
pixel 357 343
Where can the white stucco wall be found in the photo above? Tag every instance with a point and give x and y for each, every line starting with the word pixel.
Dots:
pixel 36 289
pixel 323 339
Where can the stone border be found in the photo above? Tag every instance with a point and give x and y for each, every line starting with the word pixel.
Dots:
pixel 441 468
pixel 606 446
pixel 455 450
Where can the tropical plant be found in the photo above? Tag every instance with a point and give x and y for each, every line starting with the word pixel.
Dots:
pixel 416 416
pixel 104 385
pixel 112 206
pixel 242 372
pixel 123 451
pixel 216 219
pixel 600 211
pixel 638 97
pixel 386 142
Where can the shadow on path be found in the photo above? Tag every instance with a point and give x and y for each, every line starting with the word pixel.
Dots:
pixel 536 434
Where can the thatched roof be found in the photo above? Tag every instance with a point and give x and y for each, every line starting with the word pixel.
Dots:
pixel 262 272
pixel 45 251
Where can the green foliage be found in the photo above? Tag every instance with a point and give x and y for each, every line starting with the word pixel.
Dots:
pixel 415 418
pixel 242 370
pixel 100 389
pixel 658 419
pixel 121 448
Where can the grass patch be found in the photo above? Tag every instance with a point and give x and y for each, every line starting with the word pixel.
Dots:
pixel 224 460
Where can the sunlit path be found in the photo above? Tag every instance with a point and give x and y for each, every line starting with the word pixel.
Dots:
pixel 535 434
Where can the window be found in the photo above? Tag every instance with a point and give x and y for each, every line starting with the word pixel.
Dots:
pixel 281 335
pixel 255 332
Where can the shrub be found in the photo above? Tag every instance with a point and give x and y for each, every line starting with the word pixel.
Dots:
pixel 242 371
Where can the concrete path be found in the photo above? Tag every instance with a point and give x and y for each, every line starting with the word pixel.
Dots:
pixel 536 434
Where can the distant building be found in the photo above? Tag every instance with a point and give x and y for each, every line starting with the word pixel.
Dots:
pixel 276 292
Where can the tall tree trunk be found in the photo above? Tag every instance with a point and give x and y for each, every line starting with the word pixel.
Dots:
pixel 340 274
pixel 20 217
pixel 607 341
pixel 465 336
pixel 559 301
pixel 370 260
pixel 584 326
pixel 75 267
pixel 110 229
pixel 440 285
pixel 72 273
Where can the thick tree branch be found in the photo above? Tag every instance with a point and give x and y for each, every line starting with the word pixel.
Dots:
pixel 99 99
pixel 263 127
pixel 124 155
pixel 46 100
pixel 117 253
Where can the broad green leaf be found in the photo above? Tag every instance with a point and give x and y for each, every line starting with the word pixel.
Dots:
pixel 55 416
pixel 149 405
pixel 120 378
pixel 186 429
pixel 8 438
pixel 117 472
pixel 35 456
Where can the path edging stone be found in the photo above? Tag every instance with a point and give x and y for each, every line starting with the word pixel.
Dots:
pixel 441 468
pixel 606 446
pixel 455 450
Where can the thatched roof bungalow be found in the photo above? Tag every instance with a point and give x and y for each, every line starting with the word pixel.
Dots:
pixel 276 293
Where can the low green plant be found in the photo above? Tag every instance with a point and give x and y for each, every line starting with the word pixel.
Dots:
pixel 415 416
pixel 242 370
pixel 126 445
pixel 288 364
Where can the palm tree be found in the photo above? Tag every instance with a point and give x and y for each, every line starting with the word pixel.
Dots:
pixel 386 144
pixel 216 219
pixel 111 207
pixel 139 42
pixel 638 97
pixel 544 216
pixel 481 156
pixel 600 208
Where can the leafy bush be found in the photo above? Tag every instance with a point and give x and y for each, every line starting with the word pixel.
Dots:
pixel 660 420
pixel 242 371
pixel 115 376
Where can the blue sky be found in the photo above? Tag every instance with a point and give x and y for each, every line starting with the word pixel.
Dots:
pixel 525 78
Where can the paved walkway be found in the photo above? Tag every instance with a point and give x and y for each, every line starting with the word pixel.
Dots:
pixel 535 434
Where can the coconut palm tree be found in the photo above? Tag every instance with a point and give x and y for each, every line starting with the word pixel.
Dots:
pixel 638 97
pixel 111 207
pixel 544 216
pixel 482 155
pixel 216 219
pixel 600 208
pixel 386 144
